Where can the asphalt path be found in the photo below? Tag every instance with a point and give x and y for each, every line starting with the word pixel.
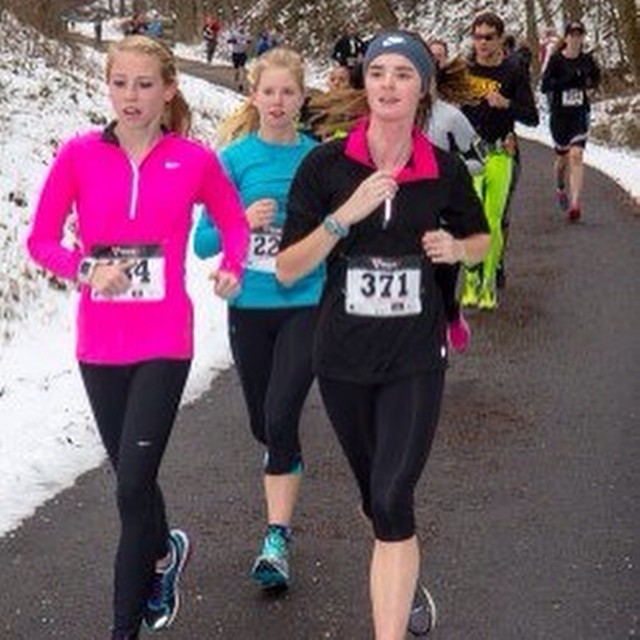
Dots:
pixel 528 511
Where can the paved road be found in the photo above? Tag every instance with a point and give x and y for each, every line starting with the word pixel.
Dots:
pixel 222 74
pixel 529 510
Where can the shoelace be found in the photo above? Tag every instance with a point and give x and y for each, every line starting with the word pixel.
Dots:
pixel 275 542
pixel 161 588
pixel 157 589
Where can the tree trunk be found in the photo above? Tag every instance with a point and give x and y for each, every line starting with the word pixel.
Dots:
pixel 547 14
pixel 123 8
pixel 533 38
pixel 630 36
pixel 382 12
pixel 187 21
pixel 571 10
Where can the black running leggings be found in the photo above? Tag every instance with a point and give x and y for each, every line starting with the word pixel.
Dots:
pixel 135 407
pixel 272 353
pixel 447 279
pixel 386 431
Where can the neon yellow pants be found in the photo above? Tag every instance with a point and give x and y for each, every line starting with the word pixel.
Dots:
pixel 492 187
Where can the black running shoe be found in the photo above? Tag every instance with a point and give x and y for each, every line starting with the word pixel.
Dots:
pixel 422 618
pixel 501 277
pixel 118 634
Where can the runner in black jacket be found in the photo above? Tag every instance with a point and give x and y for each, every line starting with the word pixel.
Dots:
pixel 371 205
pixel 569 76
pixel 505 97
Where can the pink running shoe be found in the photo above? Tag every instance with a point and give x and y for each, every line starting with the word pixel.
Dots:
pixel 459 334
pixel 573 215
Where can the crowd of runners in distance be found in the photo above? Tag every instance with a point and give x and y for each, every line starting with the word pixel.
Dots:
pixel 344 219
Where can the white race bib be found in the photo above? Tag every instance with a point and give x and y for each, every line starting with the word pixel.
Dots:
pixel 572 98
pixel 264 248
pixel 146 272
pixel 383 287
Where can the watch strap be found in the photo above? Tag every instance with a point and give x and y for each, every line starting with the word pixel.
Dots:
pixel 334 227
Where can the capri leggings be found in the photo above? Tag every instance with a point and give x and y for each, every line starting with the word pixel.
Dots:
pixel 135 407
pixel 386 431
pixel 272 353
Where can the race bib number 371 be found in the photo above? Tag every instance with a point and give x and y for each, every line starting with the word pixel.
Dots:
pixel 383 287
pixel 146 266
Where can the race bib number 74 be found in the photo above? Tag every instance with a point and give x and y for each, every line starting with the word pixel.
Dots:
pixel 146 272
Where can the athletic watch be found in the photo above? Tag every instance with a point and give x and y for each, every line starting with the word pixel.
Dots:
pixel 334 227
pixel 85 270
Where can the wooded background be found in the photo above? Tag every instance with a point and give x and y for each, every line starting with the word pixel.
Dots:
pixel 312 25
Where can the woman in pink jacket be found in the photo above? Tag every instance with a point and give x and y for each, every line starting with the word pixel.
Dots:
pixel 133 187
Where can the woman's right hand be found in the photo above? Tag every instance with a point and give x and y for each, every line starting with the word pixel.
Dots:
pixel 225 284
pixel 261 212
pixel 369 195
pixel 111 279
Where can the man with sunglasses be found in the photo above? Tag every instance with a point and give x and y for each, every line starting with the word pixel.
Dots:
pixel 504 96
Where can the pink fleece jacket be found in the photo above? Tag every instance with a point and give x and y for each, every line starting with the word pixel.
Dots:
pixel 118 204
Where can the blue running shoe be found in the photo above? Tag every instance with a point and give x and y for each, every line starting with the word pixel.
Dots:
pixel 271 568
pixel 422 618
pixel 164 601
pixel 562 199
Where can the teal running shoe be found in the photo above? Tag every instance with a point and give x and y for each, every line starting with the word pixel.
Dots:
pixel 164 601
pixel 271 567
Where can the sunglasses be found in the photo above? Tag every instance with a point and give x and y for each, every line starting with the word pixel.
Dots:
pixel 575 32
pixel 487 37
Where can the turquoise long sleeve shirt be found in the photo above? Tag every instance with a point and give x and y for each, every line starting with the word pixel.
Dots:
pixel 259 170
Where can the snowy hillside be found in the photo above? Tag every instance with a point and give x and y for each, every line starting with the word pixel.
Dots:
pixel 48 93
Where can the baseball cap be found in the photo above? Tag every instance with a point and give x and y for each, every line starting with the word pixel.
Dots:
pixel 574 27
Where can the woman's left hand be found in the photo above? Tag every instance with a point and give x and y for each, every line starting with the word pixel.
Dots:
pixel 442 247
pixel 225 284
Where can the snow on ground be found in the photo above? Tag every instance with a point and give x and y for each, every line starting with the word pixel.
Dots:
pixel 47 437
pixel 622 165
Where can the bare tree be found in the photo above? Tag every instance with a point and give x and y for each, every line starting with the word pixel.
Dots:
pixel 631 38
pixel 533 39
pixel 547 13
pixel 383 13
pixel 572 10
pixel 189 14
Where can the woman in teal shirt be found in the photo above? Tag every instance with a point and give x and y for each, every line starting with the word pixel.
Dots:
pixel 270 325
